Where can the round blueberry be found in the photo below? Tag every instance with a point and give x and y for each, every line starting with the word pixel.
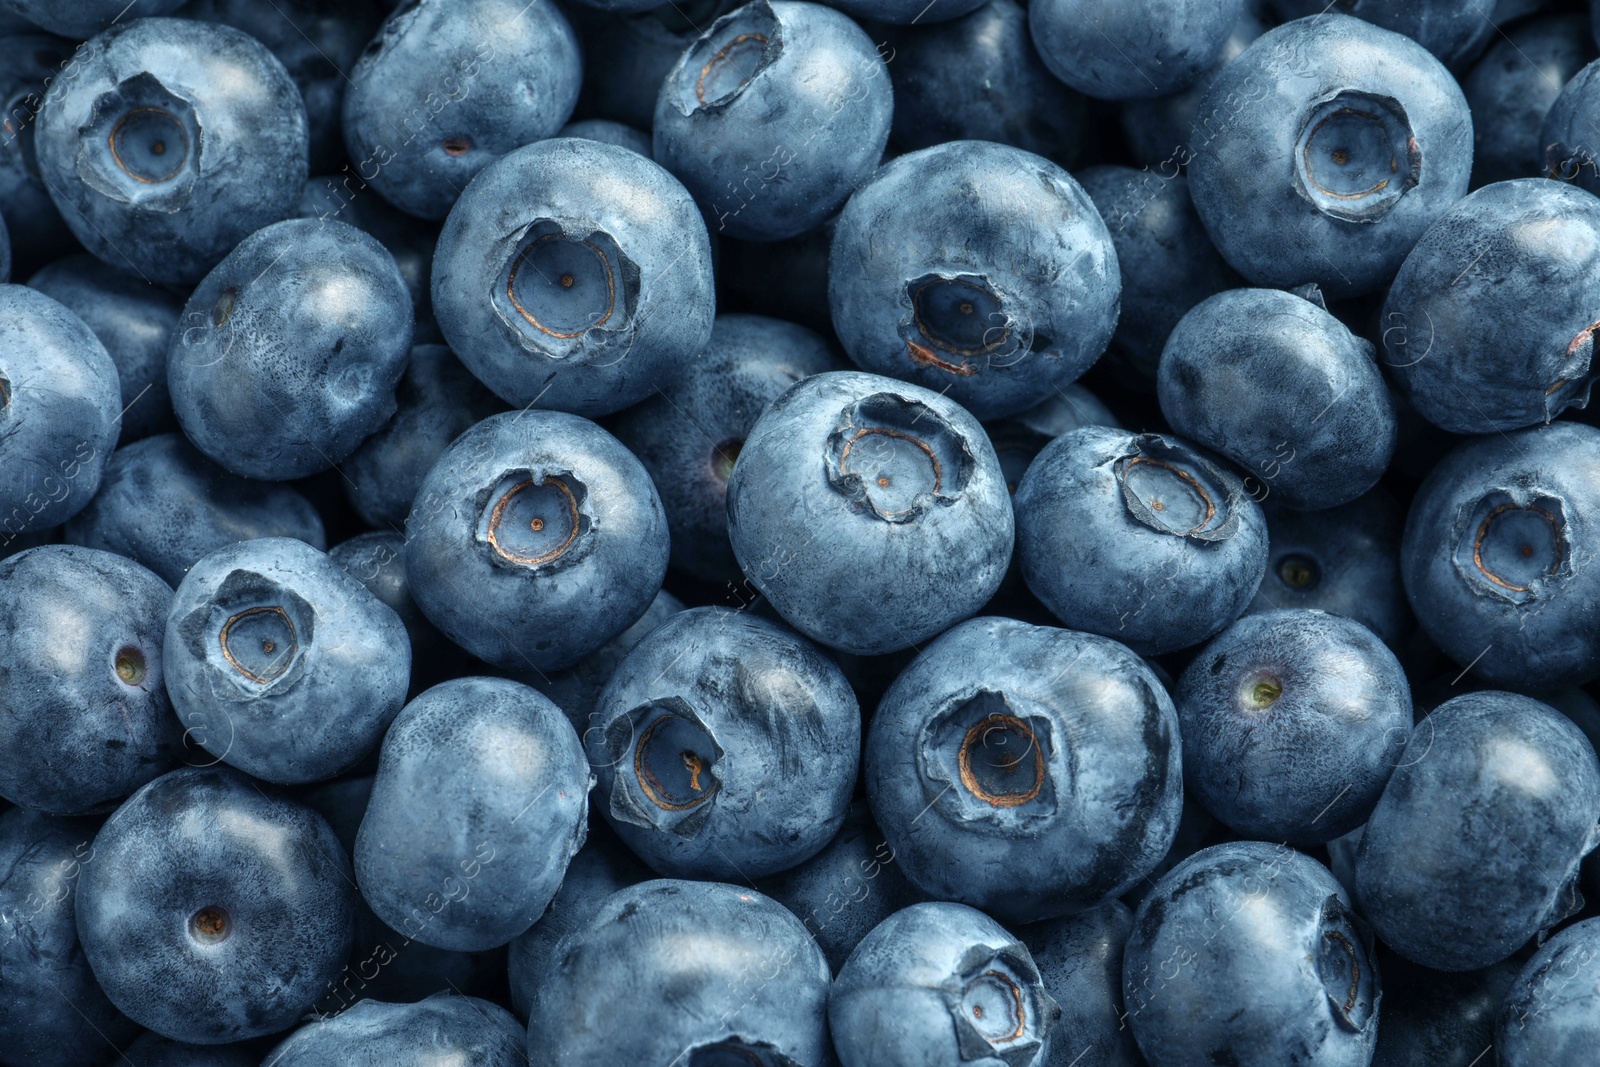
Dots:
pixel 1117 50
pixel 444 1028
pixel 1511 90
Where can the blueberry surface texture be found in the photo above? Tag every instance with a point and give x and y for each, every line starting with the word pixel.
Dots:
pixel 378 561
pixel 999 281
pixel 1454 30
pixel 215 908
pixel 85 18
pixel 1548 1014
pixel 1330 145
pixel 1233 941
pixel 1273 382
pixel 1120 50
pixel 774 116
pixel 281 664
pixel 1138 537
pixel 941 983
pixel 872 513
pixel 706 974
pixel 1292 722
pixel 574 275
pixel 1437 874
pixel 1025 770
pixel 1511 90
pixel 173 141
pixel 1080 962
pixel 290 350
pixel 1496 556
pixel 726 746
pixel 1571 149
pixel 441 1029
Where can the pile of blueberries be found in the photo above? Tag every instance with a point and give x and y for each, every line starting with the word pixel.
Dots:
pixel 887 533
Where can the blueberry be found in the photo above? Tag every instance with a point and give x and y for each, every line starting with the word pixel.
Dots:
pixel 1475 844
pixel 1330 145
pixel 1494 556
pixel 975 769
pixel 535 539
pixel 339 198
pixel 1000 282
pixel 81 695
pixel 53 1013
pixel 441 1029
pixel 480 800
pixel 1548 1016
pixel 1138 537
pixel 449 86
pixel 164 505
pixel 726 746
pixel 291 349
pixel 85 18
pixel 378 561
pixel 871 513
pixel 1490 324
pixel 1456 31
pixel 1167 263
pixel 977 77
pixel 627 54
pixel 1292 722
pixel 1248 954
pixel 150 1049
pixel 705 975
pixel 316 41
pixel 29 62
pixel 608 132
pixel 135 322
pixel 1511 89
pixel 281 664
pixel 689 435
pixel 1115 50
pixel 773 116
pixel 1273 382
pixel 437 401
pixel 59 407
pixel 1345 561
pixel 172 141
pixel 575 275
pixel 940 983
pixel 1080 962
pixel 214 909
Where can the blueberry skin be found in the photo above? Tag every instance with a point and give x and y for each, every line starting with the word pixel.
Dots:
pixel 1292 723
pixel 1019 439
pixel 81 694
pixel 1167 262
pixel 441 1029
pixel 609 132
pixel 1490 324
pixel 53 1013
pixel 437 400
pixel 906 12
pixel 1254 183
pixel 150 1049
pixel 1088 43
pixel 480 801
pixel 1000 282
pixel 941 984
pixel 1433 872
pixel 753 990
pixel 689 435
pixel 1080 962
pixel 1237 939
pixel 316 41
pixel 340 197
pixel 978 767
pixel 1455 31
pixel 726 747
pixel 306 686
pixel 642 301
pixel 449 86
pixel 535 602
pixel 1512 88
pixel 215 909
pixel 1345 561
pixel 1102 557
pixel 847 889
pixel 237 130
pixel 773 152
pixel 378 561
pixel 846 552
pixel 164 505
pixel 59 403
pixel 977 77
pixel 1525 621
pixel 85 18
pixel 291 349
pixel 1548 1015
pixel 29 62
pixel 601 867
pixel 134 321
pixel 1273 382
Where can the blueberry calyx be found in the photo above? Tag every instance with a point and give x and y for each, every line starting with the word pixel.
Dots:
pixel 992 760
pixel 894 457
pixel 1171 489
pixel 251 632
pixel 737 1052
pixel 535 519
pixel 1356 156
pixel 1512 542
pixel 728 58
pixel 142 145
pixel 667 765
pixel 564 281
pixel 958 323
pixel 994 1011
pixel 1345 963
